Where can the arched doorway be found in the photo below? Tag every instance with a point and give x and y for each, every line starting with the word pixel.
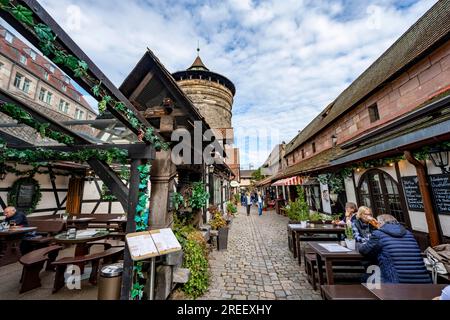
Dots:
pixel 380 192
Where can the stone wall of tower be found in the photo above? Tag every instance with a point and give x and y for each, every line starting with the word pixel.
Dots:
pixel 213 100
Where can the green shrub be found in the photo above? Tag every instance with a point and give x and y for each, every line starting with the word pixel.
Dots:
pixel 196 262
pixel 298 210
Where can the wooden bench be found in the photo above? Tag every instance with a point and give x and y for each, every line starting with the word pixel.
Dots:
pixel 46 230
pixel 346 292
pixel 110 255
pixel 32 265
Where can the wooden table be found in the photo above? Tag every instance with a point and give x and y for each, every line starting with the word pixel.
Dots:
pixel 79 223
pixel 327 258
pixel 10 244
pixel 405 291
pixel 310 233
pixel 81 246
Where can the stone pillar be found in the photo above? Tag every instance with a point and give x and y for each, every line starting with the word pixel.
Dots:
pixel 162 174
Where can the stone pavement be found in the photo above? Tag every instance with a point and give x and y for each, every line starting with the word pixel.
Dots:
pixel 258 264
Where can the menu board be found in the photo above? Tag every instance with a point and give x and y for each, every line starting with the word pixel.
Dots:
pixel 25 196
pixel 165 241
pixel 412 193
pixel 148 244
pixel 440 185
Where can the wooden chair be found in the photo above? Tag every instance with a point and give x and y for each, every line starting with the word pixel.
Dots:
pixel 110 255
pixel 33 263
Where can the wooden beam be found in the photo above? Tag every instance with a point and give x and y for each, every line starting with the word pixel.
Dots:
pixel 141 86
pixel 432 221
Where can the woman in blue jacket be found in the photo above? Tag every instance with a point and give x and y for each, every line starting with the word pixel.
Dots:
pixel 397 253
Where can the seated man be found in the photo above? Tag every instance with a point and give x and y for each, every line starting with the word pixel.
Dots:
pixel 397 253
pixel 362 229
pixel 19 219
pixel 14 217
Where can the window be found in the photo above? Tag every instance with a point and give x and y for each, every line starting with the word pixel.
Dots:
pixel 377 190
pixel 49 98
pixel 9 37
pixel 79 114
pixel 313 147
pixel 64 88
pixel 33 55
pixel 42 94
pixel 1 65
pixel 374 115
pixel 51 68
pixel 303 153
pixel 313 197
pixel 46 75
pixel 66 79
pixel 63 106
pixel 18 80
pixel 26 85
pixel 23 59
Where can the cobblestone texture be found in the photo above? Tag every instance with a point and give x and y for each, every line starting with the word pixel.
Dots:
pixel 258 264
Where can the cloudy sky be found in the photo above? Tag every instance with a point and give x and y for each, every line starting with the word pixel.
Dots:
pixel 288 59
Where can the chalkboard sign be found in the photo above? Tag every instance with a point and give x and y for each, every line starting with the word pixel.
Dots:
pixel 440 184
pixel 412 193
pixel 25 195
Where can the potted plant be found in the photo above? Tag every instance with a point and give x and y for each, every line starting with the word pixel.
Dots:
pixel 298 210
pixel 220 224
pixel 231 209
pixel 349 237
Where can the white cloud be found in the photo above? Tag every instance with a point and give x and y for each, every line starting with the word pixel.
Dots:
pixel 288 59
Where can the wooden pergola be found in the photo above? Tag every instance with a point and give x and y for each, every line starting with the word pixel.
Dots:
pixel 138 153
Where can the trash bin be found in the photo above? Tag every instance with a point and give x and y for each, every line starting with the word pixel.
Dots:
pixel 110 282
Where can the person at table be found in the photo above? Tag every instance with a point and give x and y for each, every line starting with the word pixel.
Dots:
pixel 15 217
pixel 362 226
pixel 350 214
pixel 19 219
pixel 397 253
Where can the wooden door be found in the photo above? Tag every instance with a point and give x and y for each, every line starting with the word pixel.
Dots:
pixel 75 196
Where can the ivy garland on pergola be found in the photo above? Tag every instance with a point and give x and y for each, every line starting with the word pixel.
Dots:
pixel 51 49
pixel 335 180
pixel 56 53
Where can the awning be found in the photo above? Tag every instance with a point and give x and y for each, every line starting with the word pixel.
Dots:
pixel 292 181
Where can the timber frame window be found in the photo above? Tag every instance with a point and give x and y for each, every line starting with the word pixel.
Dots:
pixel 380 192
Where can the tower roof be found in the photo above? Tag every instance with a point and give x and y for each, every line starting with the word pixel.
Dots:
pixel 198 65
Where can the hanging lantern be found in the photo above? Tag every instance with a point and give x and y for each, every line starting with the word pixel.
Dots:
pixel 439 158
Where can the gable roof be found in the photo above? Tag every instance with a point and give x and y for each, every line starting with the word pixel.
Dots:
pixel 431 29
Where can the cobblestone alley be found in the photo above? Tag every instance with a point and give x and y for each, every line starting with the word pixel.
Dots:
pixel 258 264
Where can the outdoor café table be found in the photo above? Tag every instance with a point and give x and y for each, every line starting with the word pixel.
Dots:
pixel 10 244
pixel 403 291
pixel 310 232
pixel 328 258
pixel 80 242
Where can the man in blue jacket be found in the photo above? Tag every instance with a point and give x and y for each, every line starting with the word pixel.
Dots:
pixel 397 253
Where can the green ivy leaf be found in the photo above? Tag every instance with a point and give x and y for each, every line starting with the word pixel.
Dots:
pixel 96 89
pixel 60 57
pixel 4 4
pixel 44 33
pixel 47 47
pixel 71 62
pixel 23 14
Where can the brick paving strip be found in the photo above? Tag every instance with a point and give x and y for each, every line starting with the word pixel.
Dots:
pixel 258 264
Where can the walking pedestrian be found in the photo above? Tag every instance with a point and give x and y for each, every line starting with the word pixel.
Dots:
pixel 248 202
pixel 260 203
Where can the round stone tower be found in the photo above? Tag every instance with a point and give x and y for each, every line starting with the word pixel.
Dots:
pixel 210 92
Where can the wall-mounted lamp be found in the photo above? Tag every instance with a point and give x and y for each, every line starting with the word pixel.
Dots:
pixel 439 158
pixel 334 140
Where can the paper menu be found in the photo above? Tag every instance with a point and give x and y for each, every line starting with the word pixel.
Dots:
pixel 141 246
pixel 334 247
pixel 165 240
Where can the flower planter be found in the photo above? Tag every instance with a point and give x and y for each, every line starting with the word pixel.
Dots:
pixel 350 243
pixel 222 239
